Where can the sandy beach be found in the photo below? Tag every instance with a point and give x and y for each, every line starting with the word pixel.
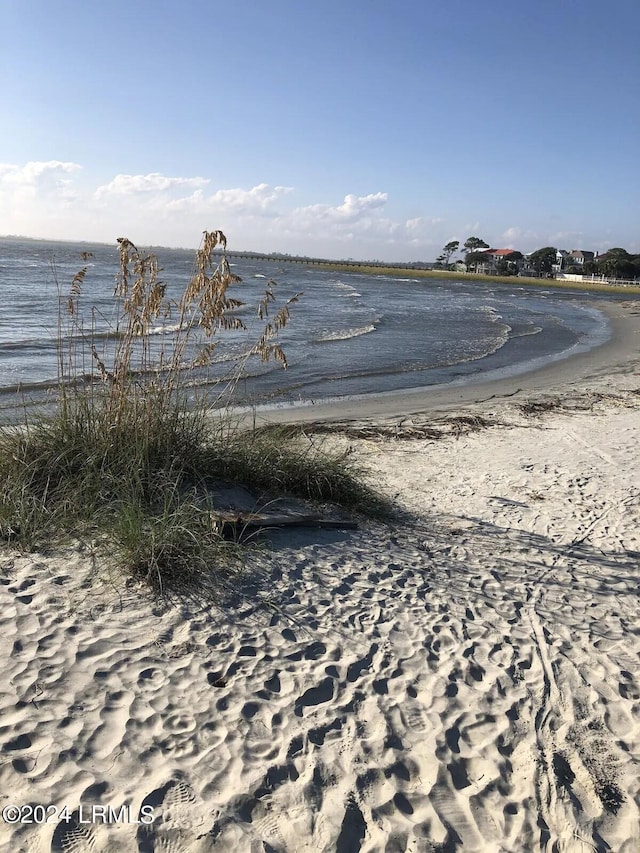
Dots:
pixel 463 677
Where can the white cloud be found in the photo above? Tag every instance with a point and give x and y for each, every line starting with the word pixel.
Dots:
pixel 38 188
pixel 352 209
pixel 513 233
pixel 46 199
pixel 57 198
pixel 160 191
pixel 566 237
pixel 42 179
pixel 359 225
pixel 515 237
pixel 259 197
pixel 528 240
pixel 259 201
pixel 123 185
pixel 413 225
pixel 35 172
pixel 354 206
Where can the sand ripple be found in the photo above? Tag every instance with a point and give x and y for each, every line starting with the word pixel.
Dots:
pixel 465 678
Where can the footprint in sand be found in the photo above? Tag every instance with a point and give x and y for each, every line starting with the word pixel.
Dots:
pixel 110 732
pixel 74 837
pixel 415 718
pixel 179 818
pixel 151 680
pixel 268 825
pixel 315 696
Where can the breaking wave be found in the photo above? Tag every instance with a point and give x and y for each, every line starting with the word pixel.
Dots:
pixel 343 335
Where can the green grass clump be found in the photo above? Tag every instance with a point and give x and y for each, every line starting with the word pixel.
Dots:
pixel 129 461
pixel 277 459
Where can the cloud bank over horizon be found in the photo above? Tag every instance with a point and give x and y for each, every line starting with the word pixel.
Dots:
pixel 57 199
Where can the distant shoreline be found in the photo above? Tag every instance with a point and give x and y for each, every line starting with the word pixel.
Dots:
pixel 513 281
pixel 422 271
pixel 419 272
pixel 367 267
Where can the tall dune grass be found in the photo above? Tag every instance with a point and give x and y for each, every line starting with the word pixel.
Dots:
pixel 129 456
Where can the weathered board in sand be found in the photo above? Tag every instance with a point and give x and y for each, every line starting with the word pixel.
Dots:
pixel 235 523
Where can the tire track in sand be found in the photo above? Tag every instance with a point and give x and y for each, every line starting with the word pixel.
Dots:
pixel 568 802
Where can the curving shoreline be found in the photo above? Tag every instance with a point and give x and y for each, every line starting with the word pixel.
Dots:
pixel 617 355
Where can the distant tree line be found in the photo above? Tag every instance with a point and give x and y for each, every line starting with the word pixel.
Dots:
pixel 471 246
pixel 615 263
pixel 474 249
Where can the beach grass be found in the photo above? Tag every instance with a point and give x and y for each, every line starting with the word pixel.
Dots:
pixel 130 461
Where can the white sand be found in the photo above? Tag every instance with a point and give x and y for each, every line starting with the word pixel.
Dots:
pixel 466 678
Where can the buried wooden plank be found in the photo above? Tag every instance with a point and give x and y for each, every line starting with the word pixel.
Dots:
pixel 235 522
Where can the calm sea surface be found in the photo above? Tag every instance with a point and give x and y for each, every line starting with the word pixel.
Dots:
pixel 350 334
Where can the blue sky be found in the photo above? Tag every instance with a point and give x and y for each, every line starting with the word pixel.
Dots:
pixel 344 128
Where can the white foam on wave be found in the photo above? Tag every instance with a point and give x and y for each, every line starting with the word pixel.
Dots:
pixel 343 334
pixel 491 311
pixel 465 354
pixel 164 330
pixel 351 291
pixel 533 330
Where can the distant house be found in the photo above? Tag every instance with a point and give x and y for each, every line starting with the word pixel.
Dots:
pixel 575 258
pixel 510 262
pixel 561 261
pixel 494 260
pixel 580 257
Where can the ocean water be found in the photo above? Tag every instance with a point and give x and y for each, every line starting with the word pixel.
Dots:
pixel 350 334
